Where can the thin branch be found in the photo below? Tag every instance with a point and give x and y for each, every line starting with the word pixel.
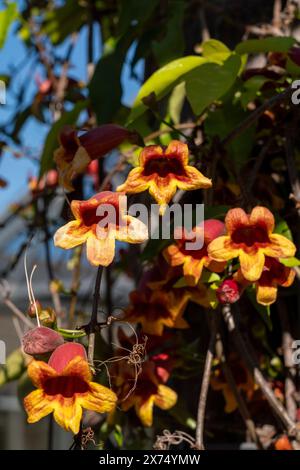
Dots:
pixel 251 363
pixel 12 307
pixel 94 317
pixel 205 384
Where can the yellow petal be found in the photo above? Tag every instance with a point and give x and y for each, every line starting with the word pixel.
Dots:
pixel 67 413
pixel 134 183
pixel 266 295
pixel 261 215
pixel 280 247
pixel 100 399
pixel 192 270
pixel 37 406
pixel 252 264
pixel 135 231
pixel 193 179
pixel 39 371
pixel 166 398
pixel 173 255
pixel 162 190
pixel 78 367
pixel 100 252
pixel 70 235
pixel 220 249
pixel 144 410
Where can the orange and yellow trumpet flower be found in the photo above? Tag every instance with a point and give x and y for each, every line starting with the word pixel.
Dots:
pixel 157 309
pixel 99 222
pixel 194 260
pixel 64 388
pixel 162 171
pixel 250 238
pixel 274 274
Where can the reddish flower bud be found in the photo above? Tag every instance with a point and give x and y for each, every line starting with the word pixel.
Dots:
pixel 77 151
pixel 62 355
pixel 31 311
pixel 41 340
pixel 228 292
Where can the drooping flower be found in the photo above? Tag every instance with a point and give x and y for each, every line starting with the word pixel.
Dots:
pixel 194 260
pixel 162 171
pixel 156 309
pixel 77 151
pixel 64 388
pixel 274 274
pixel 150 390
pixel 250 238
pixel 99 222
pixel 243 380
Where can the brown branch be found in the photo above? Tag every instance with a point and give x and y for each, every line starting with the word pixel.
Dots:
pixel 243 409
pixel 205 384
pixel 92 326
pixel 4 291
pixel 250 362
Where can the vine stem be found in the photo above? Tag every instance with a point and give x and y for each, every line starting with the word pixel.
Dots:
pixel 250 361
pixel 205 385
pixel 93 321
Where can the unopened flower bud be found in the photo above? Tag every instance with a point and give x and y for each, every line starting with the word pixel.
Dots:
pixel 228 292
pixel 33 308
pixel 41 340
pixel 47 317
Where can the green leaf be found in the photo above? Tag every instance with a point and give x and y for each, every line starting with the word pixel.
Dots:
pixel 209 277
pixel 209 82
pixel 105 87
pixel 272 44
pixel 176 102
pixel 14 367
pixel 60 22
pixel 263 311
pixel 251 88
pixel 171 45
pixel 7 17
pixel 282 228
pixel 163 80
pixel 290 262
pixel 51 142
pixel 215 50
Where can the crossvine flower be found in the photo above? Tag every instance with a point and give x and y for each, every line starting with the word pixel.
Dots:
pixel 162 171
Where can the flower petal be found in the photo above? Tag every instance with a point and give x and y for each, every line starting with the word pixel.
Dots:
pixel 192 269
pixel 262 216
pixel 70 235
pixel 166 398
pixel 220 249
pixel 100 399
pixel 149 152
pixel 178 149
pixel 135 183
pixel 280 247
pixel 101 251
pixel 163 190
pixel 78 367
pixel 37 406
pixel 67 413
pixel 144 411
pixel 266 295
pixel 193 179
pixel 235 218
pixel 252 264
pixel 39 371
pixel 135 231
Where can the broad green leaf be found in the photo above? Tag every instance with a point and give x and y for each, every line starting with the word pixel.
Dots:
pixel 272 44
pixel 14 367
pixel 209 82
pixel 209 277
pixel 105 87
pixel 250 89
pixel 7 17
pixel 162 81
pixel 215 50
pixel 51 142
pixel 176 101
pixel 290 262
pixel 171 45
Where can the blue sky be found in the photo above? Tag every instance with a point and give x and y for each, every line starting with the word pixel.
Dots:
pixel 17 170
